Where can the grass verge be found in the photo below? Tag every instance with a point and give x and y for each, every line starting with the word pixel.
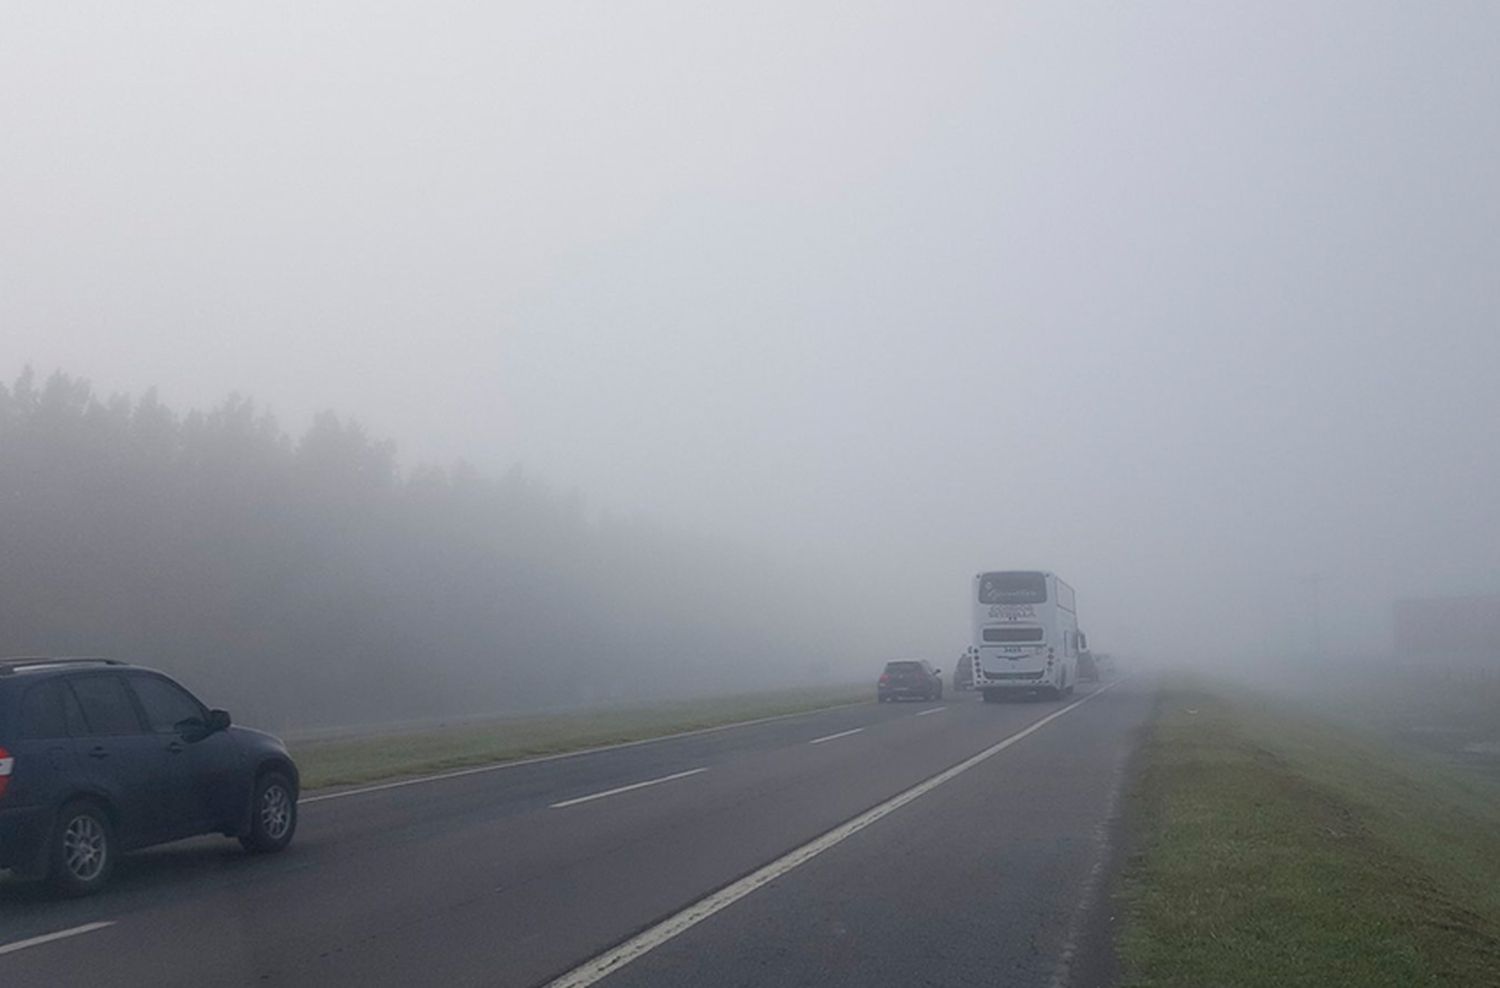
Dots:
pixel 370 758
pixel 1269 848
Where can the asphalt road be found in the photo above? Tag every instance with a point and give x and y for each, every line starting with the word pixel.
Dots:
pixel 987 870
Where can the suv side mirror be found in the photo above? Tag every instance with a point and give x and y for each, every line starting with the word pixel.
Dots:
pixel 218 720
pixel 937 672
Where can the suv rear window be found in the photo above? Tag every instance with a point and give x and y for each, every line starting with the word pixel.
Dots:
pixel 107 705
pixel 49 710
pixel 903 667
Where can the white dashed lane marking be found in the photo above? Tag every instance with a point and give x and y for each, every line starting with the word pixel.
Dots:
pixel 629 788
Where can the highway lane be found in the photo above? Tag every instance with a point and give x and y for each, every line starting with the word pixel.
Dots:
pixel 514 876
pixel 995 877
pixel 164 875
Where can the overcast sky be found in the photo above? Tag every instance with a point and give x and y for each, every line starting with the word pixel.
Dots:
pixel 1189 302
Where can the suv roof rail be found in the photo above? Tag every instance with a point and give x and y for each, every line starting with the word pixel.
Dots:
pixel 10 665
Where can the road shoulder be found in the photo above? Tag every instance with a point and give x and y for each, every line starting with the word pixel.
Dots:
pixel 1268 848
pixel 1093 958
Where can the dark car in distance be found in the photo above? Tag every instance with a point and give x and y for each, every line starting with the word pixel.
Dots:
pixel 909 678
pixel 98 757
pixel 1088 668
pixel 963 672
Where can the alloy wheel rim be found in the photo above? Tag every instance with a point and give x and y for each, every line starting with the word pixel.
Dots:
pixel 275 812
pixel 84 847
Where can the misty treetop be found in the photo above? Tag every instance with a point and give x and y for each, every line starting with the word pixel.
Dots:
pixel 311 581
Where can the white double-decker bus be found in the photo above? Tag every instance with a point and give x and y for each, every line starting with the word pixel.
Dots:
pixel 1025 634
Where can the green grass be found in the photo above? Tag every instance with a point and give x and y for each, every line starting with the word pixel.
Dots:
pixel 373 757
pixel 1270 848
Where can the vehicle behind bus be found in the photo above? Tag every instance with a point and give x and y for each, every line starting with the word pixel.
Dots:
pixel 1025 634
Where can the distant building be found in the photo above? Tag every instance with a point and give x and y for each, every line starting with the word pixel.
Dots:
pixel 1463 630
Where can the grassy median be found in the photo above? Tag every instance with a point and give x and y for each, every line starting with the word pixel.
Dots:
pixel 369 758
pixel 1270 848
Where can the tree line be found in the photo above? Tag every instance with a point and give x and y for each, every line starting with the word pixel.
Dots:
pixel 310 580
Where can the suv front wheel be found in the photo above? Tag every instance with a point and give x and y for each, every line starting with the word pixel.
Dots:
pixel 83 849
pixel 273 815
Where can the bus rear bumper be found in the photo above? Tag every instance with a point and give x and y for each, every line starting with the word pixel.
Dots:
pixel 1018 681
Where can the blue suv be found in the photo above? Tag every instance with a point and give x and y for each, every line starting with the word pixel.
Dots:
pixel 98 757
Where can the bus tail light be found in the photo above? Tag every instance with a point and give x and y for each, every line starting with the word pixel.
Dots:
pixel 7 765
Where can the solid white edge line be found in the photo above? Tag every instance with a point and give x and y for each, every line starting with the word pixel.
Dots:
pixel 620 789
pixel 610 961
pixel 934 710
pixel 498 766
pixel 11 948
pixel 832 737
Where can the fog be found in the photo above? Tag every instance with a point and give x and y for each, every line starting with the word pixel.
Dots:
pixel 1194 305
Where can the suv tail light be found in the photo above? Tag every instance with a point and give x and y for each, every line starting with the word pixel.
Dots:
pixel 7 765
pixel 885 677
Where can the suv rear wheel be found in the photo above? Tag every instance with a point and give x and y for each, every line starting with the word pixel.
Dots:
pixel 83 849
pixel 273 815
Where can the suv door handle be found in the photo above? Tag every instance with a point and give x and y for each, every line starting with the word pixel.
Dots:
pixel 98 751
pixel 175 747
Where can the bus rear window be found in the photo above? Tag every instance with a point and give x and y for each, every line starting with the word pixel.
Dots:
pixel 1012 634
pixel 1013 588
